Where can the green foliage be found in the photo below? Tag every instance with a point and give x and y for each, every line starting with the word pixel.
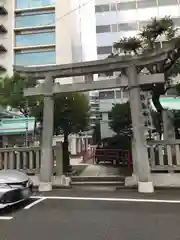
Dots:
pixel 128 45
pixel 71 113
pixel 121 118
pixel 157 28
pixel 157 122
pixel 11 93
pixel 147 41
pixel 71 110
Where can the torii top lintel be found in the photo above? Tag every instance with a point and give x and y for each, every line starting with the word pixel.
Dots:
pixel 92 67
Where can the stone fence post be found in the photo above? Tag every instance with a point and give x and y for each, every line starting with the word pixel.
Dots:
pixel 59 158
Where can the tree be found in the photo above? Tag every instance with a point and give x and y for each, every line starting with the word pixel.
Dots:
pixel 121 119
pixel 96 133
pixel 157 122
pixel 71 115
pixel 11 94
pixel 71 110
pixel 148 40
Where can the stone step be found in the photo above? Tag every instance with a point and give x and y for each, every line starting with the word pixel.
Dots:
pixel 98 183
pixel 97 179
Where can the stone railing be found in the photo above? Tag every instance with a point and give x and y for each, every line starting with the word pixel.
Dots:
pixel 27 159
pixel 164 155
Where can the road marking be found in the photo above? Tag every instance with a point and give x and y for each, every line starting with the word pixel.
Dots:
pixel 6 218
pixel 35 203
pixel 106 199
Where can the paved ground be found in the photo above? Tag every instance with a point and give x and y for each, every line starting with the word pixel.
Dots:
pixel 104 170
pixel 95 216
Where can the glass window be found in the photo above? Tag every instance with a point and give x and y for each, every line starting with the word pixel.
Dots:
pixel 35 58
pixel 118 93
pixel 34 3
pixel 103 29
pixel 102 8
pixel 113 6
pixel 43 38
pixel 106 95
pixel 104 50
pixel 126 5
pixel 109 116
pixel 176 21
pixel 127 26
pixel 114 28
pixel 35 20
pixel 146 3
pixel 144 24
pixel 167 2
pixel 125 94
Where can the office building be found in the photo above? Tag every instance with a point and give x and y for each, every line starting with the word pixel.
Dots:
pixel 116 19
pixel 47 32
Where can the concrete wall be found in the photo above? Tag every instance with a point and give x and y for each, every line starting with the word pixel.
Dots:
pixel 75 33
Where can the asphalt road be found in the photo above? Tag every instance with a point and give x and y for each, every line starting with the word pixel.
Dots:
pixel 87 219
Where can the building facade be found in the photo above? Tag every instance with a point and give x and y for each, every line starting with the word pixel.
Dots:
pixel 116 19
pixel 47 32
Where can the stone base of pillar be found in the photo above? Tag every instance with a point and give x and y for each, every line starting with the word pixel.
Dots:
pixel 45 186
pixel 145 187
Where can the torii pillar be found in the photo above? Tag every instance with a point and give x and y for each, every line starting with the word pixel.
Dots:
pixel 141 156
pixel 47 136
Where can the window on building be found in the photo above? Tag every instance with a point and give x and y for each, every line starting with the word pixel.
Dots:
pixel 35 20
pixel 35 39
pixel 126 5
pixel 167 2
pixel 113 6
pixel 118 94
pixel 114 28
pixel 102 8
pixel 176 21
pixel 100 115
pixel 106 95
pixel 125 94
pixel 109 116
pixel 35 58
pixel 103 29
pixel 146 3
pixel 143 24
pixel 20 4
pixel 104 50
pixel 127 27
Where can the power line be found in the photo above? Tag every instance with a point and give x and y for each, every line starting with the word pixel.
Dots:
pixel 75 9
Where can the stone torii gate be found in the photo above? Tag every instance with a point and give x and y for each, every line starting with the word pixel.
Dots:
pixel 131 66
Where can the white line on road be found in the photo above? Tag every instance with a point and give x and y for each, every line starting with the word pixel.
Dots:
pixel 106 199
pixel 5 218
pixel 35 203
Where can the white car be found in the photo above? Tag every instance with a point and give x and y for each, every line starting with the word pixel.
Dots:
pixel 15 187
